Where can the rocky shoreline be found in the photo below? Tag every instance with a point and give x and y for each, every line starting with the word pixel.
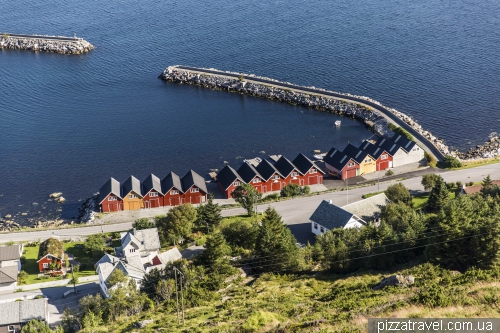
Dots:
pixel 371 118
pixel 50 44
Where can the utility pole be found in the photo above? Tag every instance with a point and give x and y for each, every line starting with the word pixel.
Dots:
pixel 347 185
pixel 176 296
pixel 182 295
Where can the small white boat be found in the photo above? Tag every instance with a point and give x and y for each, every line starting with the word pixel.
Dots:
pixel 337 123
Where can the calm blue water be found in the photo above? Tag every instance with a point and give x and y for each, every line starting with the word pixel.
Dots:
pixel 70 122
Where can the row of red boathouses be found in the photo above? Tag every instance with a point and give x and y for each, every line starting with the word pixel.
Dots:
pixel 266 176
pixel 133 194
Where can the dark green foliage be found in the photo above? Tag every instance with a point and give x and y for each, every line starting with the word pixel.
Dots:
pixel 429 181
pixel 217 251
pixel 438 196
pixel 305 190
pixel 94 245
pixel 143 223
pixel 468 230
pixel 389 173
pixel 431 160
pixel 275 244
pixel 36 326
pixel 178 223
pixel 241 233
pixel 489 188
pixel 399 193
pixel 209 214
pixel 290 190
pixel 115 277
pixel 433 295
pixel 51 246
pixel 247 196
pixel 450 162
pixel 450 186
pixel 400 130
pixel 459 184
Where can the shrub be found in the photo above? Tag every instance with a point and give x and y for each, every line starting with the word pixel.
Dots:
pixel 305 190
pixel 389 173
pixel 290 190
pixel 459 184
pixel 450 186
pixel 431 161
pixel 451 162
pixel 433 295
pixel 470 184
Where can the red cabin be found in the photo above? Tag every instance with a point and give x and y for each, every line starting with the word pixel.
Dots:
pixel 249 174
pixel 152 192
pixel 194 188
pixel 290 172
pixel 341 165
pixel 45 262
pixel 172 189
pixel 228 180
pixel 110 198
pixel 273 179
pixel 311 174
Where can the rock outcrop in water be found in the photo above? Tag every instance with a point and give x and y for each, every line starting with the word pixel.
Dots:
pixel 51 44
pixel 372 118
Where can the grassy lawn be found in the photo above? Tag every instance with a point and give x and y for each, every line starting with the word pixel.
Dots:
pixel 30 265
pixel 419 202
pixel 473 164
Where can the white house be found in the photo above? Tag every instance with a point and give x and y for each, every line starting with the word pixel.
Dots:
pixel 356 215
pixel 144 243
pixel 10 265
pixel 131 267
pixel 415 154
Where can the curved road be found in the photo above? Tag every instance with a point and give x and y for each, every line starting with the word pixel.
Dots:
pixel 419 138
pixel 67 39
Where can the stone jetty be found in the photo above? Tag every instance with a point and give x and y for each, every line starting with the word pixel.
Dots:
pixel 51 44
pixel 372 113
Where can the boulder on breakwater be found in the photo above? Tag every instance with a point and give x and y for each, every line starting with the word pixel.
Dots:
pixel 51 44
pixel 356 110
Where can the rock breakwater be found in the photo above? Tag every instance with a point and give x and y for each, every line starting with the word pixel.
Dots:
pixel 352 106
pixel 51 44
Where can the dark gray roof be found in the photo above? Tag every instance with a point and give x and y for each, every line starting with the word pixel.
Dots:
pixel 192 178
pixel 11 252
pixel 304 164
pixel 227 176
pixel 266 169
pixel 357 154
pixel 404 142
pixel 337 159
pixel 373 150
pixel 151 182
pixel 247 172
pixel 131 184
pixel 170 181
pixel 284 166
pixel 8 274
pixel 111 186
pixel 389 146
pixel 331 216
pixel 24 311
pixel 368 209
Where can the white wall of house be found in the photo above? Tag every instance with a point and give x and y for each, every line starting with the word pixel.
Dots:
pixel 131 249
pixel 318 229
pixel 8 286
pixel 416 154
pixel 353 223
pixel 8 263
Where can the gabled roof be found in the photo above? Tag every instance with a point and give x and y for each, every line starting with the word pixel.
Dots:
pixel 247 172
pixel 131 270
pixel 266 169
pixel 404 142
pixel 8 274
pixel 331 216
pixel 477 188
pixel 355 153
pixel 151 183
pixel 227 176
pixel 192 178
pixel 337 159
pixel 372 149
pixel 304 164
pixel 108 258
pixel 49 254
pixel 368 209
pixel 170 256
pixel 112 186
pixel 285 167
pixel 130 238
pixel 11 252
pixel 172 180
pixel 24 311
pixel 131 184
pixel 389 146
pixel 148 238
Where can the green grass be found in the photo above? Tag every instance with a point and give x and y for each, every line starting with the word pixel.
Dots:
pixel 369 195
pixel 419 202
pixel 30 265
pixel 474 164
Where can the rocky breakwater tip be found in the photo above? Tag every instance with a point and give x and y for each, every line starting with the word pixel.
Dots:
pixel 50 44
pixel 343 104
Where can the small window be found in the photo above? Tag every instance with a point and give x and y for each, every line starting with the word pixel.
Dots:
pixel 256 180
pixel 112 198
pixel 351 164
pixel 384 156
pixel 368 160
pixel 174 192
pixel 295 174
pixel 236 183
pixel 315 226
pixel 132 196
pixel 322 229
pixel 313 171
pixel 49 258
pixel 153 194
pixel 194 190
pixel 45 265
pixel 276 177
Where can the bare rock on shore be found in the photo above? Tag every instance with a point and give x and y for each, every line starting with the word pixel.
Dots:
pixel 395 281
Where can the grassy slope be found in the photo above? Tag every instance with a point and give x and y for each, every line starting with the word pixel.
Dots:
pixel 343 303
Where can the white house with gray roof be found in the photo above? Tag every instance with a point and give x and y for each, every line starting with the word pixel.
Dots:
pixel 13 315
pixel 144 243
pixel 356 215
pixel 131 267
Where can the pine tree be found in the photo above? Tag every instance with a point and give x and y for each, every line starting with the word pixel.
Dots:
pixel 216 251
pixel 487 183
pixel 211 212
pixel 275 243
pixel 438 196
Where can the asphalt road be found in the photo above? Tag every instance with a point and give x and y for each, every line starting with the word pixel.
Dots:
pixel 295 212
pixel 420 139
